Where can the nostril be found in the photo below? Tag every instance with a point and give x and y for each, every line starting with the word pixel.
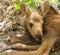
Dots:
pixel 38 38
pixel 9 40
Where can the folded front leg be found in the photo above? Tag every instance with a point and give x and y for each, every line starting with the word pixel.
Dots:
pixel 48 42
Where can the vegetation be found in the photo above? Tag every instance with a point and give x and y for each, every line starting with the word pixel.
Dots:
pixel 33 3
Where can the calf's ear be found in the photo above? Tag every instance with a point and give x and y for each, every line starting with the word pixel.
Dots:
pixel 43 8
pixel 25 9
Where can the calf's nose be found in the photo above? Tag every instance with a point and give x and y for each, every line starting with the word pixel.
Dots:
pixel 38 37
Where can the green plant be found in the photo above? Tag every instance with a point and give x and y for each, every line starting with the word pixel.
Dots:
pixel 28 2
pixel 58 5
pixel 32 3
pixel 17 5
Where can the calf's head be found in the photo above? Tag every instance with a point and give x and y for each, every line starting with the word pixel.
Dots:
pixel 34 19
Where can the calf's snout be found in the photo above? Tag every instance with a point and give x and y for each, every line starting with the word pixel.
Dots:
pixel 38 37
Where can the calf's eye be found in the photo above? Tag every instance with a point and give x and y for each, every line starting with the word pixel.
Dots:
pixel 30 24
